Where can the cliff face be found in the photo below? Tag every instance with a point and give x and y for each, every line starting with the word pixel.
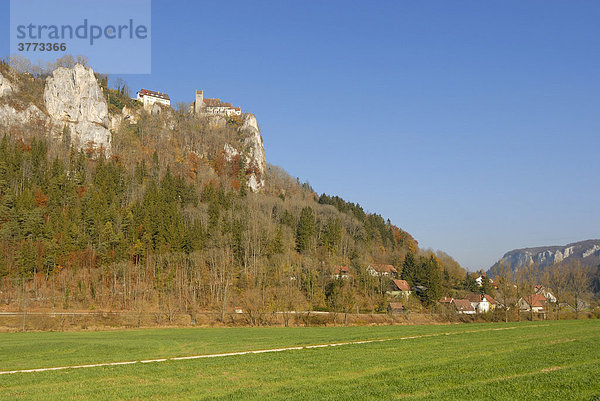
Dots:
pixel 10 115
pixel 73 98
pixel 6 86
pixel 255 153
pixel 585 252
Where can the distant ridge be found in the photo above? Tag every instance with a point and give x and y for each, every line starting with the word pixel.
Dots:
pixel 586 252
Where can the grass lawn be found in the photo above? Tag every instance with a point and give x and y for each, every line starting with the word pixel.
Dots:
pixel 528 361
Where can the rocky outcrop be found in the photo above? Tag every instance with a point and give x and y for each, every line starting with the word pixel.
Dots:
pixel 127 115
pixel 74 99
pixel 6 87
pixel 255 153
pixel 585 252
pixel 11 117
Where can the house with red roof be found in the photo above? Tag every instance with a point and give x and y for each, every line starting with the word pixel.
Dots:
pixel 534 302
pixel 463 307
pixel 398 288
pixel 395 307
pixel 479 302
pixel 341 272
pixel 446 300
pixel 493 303
pixel 149 98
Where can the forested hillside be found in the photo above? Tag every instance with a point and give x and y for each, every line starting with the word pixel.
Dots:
pixel 166 222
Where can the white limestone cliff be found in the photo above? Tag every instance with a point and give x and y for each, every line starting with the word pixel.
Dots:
pixel 73 98
pixel 11 117
pixel 255 153
pixel 6 86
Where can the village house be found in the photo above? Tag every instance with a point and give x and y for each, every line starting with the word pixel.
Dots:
pixel 540 289
pixel 149 98
pixel 377 270
pixel 395 308
pixel 204 105
pixel 493 303
pixel 341 272
pixel 479 302
pixel 446 301
pixel 534 302
pixel 399 288
pixel 463 307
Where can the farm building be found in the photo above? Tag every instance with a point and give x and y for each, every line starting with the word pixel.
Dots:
pixel 395 308
pixel 479 302
pixel 377 270
pixel 341 272
pixel 463 306
pixel 446 300
pixel 399 288
pixel 534 302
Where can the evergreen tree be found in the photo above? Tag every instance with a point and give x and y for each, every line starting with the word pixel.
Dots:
pixel 409 269
pixel 305 230
pixel 469 283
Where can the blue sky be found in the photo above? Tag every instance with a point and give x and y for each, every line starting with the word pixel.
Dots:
pixel 473 125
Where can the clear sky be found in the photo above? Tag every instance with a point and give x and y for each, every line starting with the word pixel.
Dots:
pixel 473 125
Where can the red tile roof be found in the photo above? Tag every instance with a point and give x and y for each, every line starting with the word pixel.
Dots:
pixel 474 297
pixel 491 300
pixel 341 270
pixel 146 92
pixel 384 268
pixel 446 300
pixel 463 305
pixel 217 103
pixel 402 285
pixel 536 300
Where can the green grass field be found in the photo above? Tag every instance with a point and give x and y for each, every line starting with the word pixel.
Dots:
pixel 525 361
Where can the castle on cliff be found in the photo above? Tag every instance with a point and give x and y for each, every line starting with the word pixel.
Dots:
pixel 204 105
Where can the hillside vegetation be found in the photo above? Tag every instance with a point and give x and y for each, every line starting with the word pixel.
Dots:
pixel 167 223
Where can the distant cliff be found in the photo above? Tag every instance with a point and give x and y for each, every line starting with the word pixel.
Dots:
pixel 586 252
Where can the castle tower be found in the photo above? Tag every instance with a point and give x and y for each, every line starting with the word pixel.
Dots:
pixel 199 103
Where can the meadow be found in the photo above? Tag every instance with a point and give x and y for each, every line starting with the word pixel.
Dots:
pixel 494 361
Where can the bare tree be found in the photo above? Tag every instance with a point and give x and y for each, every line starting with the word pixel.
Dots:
pixel 528 279
pixel 506 287
pixel 579 283
pixel 556 279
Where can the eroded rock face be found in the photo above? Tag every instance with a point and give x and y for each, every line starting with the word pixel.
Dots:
pixel 6 86
pixel 73 98
pixel 127 115
pixel 10 117
pixel 255 153
pixel 585 252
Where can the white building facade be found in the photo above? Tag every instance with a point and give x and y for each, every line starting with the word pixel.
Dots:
pixel 150 98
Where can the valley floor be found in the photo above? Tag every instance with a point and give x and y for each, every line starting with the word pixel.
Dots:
pixel 527 360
